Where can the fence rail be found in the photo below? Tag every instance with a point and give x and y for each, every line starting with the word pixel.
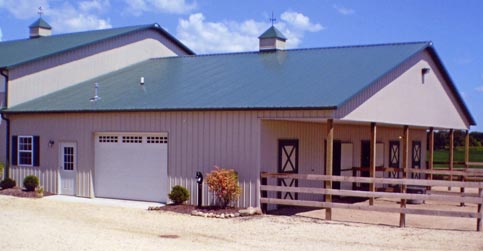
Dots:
pixel 474 198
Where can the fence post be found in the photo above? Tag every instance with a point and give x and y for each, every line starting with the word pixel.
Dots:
pixel 263 206
pixel 478 220
pixel 431 154
pixel 467 159
pixel 402 216
pixel 372 161
pixel 329 165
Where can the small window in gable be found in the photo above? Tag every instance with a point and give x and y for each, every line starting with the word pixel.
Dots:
pixel 25 150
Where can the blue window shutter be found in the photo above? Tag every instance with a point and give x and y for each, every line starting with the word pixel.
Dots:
pixel 36 151
pixel 14 150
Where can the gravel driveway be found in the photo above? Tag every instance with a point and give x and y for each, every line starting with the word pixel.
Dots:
pixel 39 224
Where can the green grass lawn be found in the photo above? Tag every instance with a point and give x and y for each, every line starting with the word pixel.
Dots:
pixel 476 155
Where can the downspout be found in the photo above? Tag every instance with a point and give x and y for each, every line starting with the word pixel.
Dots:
pixel 4 73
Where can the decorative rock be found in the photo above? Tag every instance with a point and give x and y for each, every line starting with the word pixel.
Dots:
pixel 244 212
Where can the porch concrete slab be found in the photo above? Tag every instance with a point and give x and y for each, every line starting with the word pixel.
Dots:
pixel 105 202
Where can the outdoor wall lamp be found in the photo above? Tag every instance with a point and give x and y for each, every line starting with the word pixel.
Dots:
pixel 51 143
pixel 199 180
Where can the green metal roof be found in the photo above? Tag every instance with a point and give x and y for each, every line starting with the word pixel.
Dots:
pixel 321 78
pixel 41 23
pixel 17 52
pixel 273 32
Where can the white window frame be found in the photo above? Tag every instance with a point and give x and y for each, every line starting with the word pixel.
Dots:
pixel 31 151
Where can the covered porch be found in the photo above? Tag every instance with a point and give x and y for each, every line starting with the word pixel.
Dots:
pixel 308 148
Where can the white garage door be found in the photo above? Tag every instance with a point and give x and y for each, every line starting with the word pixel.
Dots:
pixel 131 166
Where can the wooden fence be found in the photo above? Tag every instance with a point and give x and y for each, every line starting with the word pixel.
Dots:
pixel 474 198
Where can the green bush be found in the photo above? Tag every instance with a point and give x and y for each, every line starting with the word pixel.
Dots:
pixel 2 167
pixel 224 184
pixel 179 195
pixel 31 182
pixel 7 183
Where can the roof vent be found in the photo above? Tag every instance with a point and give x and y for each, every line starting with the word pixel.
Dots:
pixel 271 40
pixel 96 94
pixel 40 28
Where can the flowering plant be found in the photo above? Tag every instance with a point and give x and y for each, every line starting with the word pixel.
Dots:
pixel 224 184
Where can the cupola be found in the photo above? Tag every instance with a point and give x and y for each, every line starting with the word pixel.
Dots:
pixel 40 28
pixel 272 39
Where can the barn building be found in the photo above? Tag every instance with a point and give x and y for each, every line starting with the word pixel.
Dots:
pixel 130 112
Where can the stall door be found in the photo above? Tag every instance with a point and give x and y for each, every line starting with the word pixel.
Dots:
pixel 416 158
pixel 288 163
pixel 394 157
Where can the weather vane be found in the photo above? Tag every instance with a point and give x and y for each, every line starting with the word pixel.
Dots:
pixel 40 12
pixel 272 19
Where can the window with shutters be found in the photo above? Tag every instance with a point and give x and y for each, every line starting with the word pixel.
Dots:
pixel 25 150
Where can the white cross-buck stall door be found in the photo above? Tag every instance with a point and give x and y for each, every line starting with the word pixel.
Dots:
pixel 131 166
pixel 67 168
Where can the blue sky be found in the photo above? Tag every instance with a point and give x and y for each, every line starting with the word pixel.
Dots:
pixel 454 27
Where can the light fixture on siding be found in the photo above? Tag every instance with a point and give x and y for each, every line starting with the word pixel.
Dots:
pixel 96 93
pixel 51 143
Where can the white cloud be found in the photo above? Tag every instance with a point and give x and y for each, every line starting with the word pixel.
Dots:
pixel 137 7
pixel 230 36
pixel 343 10
pixel 479 88
pixel 1 34
pixel 23 9
pixel 300 21
pixel 63 16
pixel 96 5
pixel 68 18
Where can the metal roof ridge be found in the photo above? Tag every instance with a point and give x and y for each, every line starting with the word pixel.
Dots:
pixel 428 43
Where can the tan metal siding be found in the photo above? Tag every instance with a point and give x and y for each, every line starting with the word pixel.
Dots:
pixel 38 78
pixel 197 141
pixel 400 97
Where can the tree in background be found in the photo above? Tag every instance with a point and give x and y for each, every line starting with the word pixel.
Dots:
pixel 441 139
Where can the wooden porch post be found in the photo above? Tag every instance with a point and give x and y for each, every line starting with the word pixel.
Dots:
pixel 402 216
pixel 451 154
pixel 467 159
pixel 431 154
pixel 328 163
pixel 372 162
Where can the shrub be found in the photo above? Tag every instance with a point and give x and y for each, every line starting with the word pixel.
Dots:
pixel 31 182
pixel 224 184
pixel 40 192
pixel 2 167
pixel 8 183
pixel 179 195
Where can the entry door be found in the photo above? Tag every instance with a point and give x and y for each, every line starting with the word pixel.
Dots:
pixel 365 162
pixel 416 153
pixel 68 168
pixel 336 161
pixel 288 151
